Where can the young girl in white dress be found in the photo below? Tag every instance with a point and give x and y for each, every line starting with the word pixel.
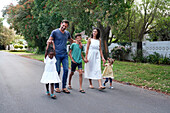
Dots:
pixel 93 56
pixel 50 75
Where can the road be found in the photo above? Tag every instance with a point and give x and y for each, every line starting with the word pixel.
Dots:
pixel 22 92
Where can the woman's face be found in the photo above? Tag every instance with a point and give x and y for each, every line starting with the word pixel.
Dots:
pixel 95 33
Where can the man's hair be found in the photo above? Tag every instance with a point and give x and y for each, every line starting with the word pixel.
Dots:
pixel 65 21
pixel 77 34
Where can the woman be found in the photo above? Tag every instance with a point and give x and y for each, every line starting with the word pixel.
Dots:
pixel 93 56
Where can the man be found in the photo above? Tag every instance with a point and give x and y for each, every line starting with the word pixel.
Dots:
pixel 60 37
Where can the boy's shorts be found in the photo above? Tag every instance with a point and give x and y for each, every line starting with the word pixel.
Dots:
pixel 74 65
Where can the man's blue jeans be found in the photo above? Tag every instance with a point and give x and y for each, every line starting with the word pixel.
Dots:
pixel 64 60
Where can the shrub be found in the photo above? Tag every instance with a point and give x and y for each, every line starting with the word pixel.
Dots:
pixel 154 58
pixel 20 46
pixel 119 52
pixel 16 46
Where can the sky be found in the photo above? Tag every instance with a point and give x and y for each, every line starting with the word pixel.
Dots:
pixel 4 3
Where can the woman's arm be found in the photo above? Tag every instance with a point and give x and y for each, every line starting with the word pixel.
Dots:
pixel 101 53
pixel 87 49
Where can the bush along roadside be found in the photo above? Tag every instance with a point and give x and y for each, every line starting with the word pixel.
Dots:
pixel 154 58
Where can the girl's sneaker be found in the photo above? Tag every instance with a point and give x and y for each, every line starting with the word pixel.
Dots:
pixel 104 84
pixel 111 87
pixel 48 93
pixel 53 96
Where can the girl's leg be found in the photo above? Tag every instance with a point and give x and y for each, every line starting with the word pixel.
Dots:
pixel 110 82
pixel 47 87
pixel 104 84
pixel 106 80
pixel 52 88
pixel 90 81
pixel 52 91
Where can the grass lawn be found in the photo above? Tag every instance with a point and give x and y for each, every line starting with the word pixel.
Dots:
pixel 156 77
pixel 17 52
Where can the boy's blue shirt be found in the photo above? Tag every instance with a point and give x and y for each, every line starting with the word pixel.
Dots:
pixel 76 52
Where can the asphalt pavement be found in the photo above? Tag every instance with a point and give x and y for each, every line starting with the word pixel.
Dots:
pixel 22 92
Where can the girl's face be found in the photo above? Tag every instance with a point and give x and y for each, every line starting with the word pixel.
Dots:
pixel 50 55
pixel 95 33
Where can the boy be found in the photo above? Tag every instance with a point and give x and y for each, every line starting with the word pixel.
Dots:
pixel 76 56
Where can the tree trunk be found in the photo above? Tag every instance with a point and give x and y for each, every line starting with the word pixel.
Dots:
pixel 104 35
pixel 72 30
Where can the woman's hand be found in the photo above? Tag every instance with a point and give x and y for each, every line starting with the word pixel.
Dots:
pixel 104 61
pixel 86 60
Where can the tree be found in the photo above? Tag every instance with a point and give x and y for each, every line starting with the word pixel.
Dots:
pixel 98 13
pixel 162 30
pixel 6 36
pixel 33 19
pixel 147 12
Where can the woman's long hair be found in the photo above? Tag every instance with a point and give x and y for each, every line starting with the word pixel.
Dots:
pixel 98 33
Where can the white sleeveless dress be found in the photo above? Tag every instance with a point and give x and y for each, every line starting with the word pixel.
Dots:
pixel 50 74
pixel 93 67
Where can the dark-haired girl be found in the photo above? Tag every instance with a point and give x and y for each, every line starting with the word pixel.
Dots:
pixel 50 75
pixel 93 56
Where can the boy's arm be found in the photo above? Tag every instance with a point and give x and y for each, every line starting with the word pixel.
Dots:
pixel 71 56
pixel 83 58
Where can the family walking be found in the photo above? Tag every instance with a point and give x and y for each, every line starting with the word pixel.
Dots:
pixel 57 54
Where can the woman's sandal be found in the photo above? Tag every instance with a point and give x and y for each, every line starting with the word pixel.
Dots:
pixel 69 87
pixel 48 93
pixel 101 88
pixel 91 87
pixel 53 96
pixel 82 91
pixel 66 91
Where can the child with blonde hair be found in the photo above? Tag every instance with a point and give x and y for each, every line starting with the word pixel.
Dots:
pixel 108 72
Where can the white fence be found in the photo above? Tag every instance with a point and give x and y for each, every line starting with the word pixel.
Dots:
pixel 161 47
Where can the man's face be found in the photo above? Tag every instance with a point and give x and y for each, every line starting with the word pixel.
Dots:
pixel 63 26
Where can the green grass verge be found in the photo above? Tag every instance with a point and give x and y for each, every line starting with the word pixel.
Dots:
pixel 17 52
pixel 156 77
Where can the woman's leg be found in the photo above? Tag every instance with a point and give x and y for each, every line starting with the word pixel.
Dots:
pixel 91 85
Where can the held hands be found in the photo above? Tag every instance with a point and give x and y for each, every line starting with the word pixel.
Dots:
pixel 50 41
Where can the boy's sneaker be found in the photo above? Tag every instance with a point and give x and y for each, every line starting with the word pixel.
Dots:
pixel 111 87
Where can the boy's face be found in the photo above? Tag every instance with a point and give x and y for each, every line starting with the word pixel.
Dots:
pixel 78 38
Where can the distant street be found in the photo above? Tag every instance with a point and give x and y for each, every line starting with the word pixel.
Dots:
pixel 22 92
